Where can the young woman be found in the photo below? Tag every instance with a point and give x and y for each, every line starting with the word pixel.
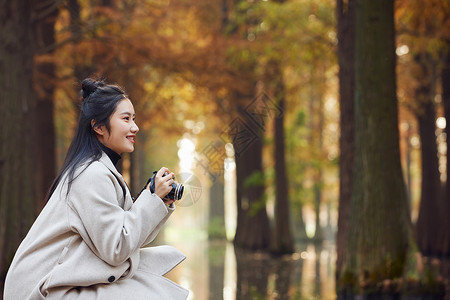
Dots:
pixel 87 242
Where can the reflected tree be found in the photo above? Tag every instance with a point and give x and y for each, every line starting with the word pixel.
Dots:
pixel 283 271
pixel 252 275
pixel 216 254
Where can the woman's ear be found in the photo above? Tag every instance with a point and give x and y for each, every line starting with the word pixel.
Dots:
pixel 97 129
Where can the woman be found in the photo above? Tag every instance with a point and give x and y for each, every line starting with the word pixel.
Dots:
pixel 87 242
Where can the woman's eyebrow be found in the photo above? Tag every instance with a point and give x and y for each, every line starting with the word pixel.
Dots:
pixel 128 113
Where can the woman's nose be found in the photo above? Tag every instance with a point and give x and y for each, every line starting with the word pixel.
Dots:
pixel 134 128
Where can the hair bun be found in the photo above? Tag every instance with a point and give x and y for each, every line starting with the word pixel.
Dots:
pixel 89 86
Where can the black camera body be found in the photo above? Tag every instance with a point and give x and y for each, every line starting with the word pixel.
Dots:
pixel 175 193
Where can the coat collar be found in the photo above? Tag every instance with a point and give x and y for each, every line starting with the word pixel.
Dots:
pixel 104 159
pixel 128 200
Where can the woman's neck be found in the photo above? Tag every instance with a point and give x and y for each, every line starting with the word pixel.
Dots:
pixel 113 155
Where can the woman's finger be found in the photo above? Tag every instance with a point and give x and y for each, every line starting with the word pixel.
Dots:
pixel 161 171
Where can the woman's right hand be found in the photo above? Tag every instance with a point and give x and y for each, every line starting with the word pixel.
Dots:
pixel 163 184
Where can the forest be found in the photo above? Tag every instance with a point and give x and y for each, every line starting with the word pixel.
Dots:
pixel 310 135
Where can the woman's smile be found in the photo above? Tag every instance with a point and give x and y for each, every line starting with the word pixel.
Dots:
pixel 131 138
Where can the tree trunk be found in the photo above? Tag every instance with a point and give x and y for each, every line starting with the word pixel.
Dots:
pixel 317 139
pixel 299 224
pixel 16 186
pixel 252 231
pixel 345 11
pixel 216 228
pixel 283 241
pixel 81 69
pixel 44 86
pixel 427 222
pixel 445 226
pixel 318 181
pixel 379 226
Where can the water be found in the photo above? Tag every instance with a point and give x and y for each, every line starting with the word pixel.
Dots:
pixel 214 270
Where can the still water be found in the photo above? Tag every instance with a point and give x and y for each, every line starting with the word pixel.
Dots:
pixel 214 270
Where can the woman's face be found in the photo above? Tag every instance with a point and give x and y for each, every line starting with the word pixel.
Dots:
pixel 123 129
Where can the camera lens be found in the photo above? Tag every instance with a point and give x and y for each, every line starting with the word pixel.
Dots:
pixel 176 192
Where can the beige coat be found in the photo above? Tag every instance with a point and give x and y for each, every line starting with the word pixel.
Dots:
pixel 89 245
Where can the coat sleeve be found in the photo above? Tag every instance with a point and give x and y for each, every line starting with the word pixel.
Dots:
pixel 110 231
pixel 155 232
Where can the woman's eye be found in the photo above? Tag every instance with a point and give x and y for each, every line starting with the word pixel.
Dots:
pixel 127 118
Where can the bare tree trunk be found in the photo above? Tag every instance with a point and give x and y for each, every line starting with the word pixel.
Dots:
pixel 345 11
pixel 16 186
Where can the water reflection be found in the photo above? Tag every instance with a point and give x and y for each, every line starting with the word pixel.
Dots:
pixel 215 270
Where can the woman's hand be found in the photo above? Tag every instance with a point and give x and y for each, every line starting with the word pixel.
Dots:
pixel 163 184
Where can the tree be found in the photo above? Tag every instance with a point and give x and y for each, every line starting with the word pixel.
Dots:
pixel 427 222
pixel 252 231
pixel 379 231
pixel 346 56
pixel 444 240
pixel 423 30
pixel 16 169
pixel 283 241
pixel 44 86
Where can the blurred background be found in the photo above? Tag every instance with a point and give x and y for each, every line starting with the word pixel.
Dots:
pixel 284 119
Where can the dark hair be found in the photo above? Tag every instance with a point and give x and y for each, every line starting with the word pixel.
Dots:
pixel 99 101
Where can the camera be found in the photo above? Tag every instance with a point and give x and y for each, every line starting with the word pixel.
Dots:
pixel 175 193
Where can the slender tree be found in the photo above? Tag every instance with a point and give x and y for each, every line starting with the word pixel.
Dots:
pixel 427 221
pixel 283 241
pixel 444 241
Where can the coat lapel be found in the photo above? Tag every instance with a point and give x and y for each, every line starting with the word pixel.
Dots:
pixel 128 202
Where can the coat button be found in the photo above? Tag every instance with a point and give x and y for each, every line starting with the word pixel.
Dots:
pixel 111 279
